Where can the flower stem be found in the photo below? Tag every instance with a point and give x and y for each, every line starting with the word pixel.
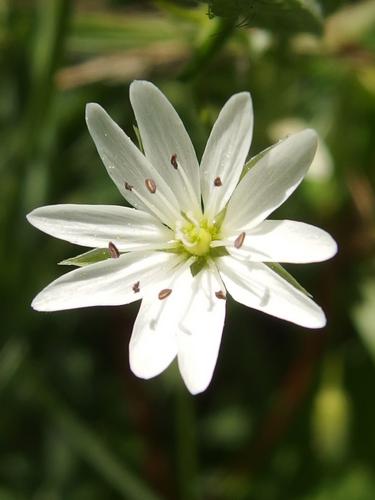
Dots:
pixel 187 448
pixel 221 30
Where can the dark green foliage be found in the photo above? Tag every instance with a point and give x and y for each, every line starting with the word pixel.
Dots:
pixel 281 16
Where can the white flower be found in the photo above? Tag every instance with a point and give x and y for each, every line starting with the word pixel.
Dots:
pixel 180 259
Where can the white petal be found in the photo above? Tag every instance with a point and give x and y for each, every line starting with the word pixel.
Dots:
pixel 226 152
pixel 270 182
pixel 285 241
pixel 190 319
pixel 109 282
pixel 153 344
pixel 200 330
pixel 125 163
pixel 255 285
pixel 163 135
pixel 97 225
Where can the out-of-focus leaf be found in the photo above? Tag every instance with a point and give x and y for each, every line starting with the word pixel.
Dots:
pixel 331 414
pixel 286 16
pixel 330 423
pixel 349 24
pixel 11 357
pixel 358 484
pixel 90 257
pixel 93 33
pixel 364 316
pixel 88 444
pixel 227 427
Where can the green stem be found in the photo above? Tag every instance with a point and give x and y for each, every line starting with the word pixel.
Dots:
pixel 187 448
pixel 220 31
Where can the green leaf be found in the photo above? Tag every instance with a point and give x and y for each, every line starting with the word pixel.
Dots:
pixel 90 257
pixel 281 16
pixel 283 273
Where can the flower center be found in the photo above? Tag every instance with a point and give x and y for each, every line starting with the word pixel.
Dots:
pixel 196 236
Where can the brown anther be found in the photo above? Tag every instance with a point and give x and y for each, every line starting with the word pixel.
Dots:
pixel 135 287
pixel 163 294
pixel 150 185
pixel 174 161
pixel 217 182
pixel 128 186
pixel 220 295
pixel 238 242
pixel 113 250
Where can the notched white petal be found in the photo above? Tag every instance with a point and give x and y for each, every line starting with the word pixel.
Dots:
pixel 95 225
pixel 270 182
pixel 128 167
pixel 255 285
pixel 285 241
pixel 200 329
pixel 226 152
pixel 109 282
pixel 166 141
pixel 153 344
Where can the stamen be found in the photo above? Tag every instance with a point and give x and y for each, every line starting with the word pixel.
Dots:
pixel 174 161
pixel 220 295
pixel 113 250
pixel 150 185
pixel 135 287
pixel 217 182
pixel 163 294
pixel 238 242
pixel 128 186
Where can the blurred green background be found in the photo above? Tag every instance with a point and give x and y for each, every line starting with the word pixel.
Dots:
pixel 290 413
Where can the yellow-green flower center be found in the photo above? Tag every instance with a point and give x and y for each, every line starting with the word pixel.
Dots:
pixel 196 239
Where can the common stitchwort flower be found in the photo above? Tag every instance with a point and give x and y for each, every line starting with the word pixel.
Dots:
pixel 196 234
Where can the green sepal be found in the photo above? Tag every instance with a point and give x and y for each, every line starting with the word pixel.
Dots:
pixel 198 265
pixel 254 160
pixel 139 138
pixel 218 252
pixel 87 258
pixel 283 273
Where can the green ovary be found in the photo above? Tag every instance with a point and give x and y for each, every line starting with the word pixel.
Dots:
pixel 197 240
